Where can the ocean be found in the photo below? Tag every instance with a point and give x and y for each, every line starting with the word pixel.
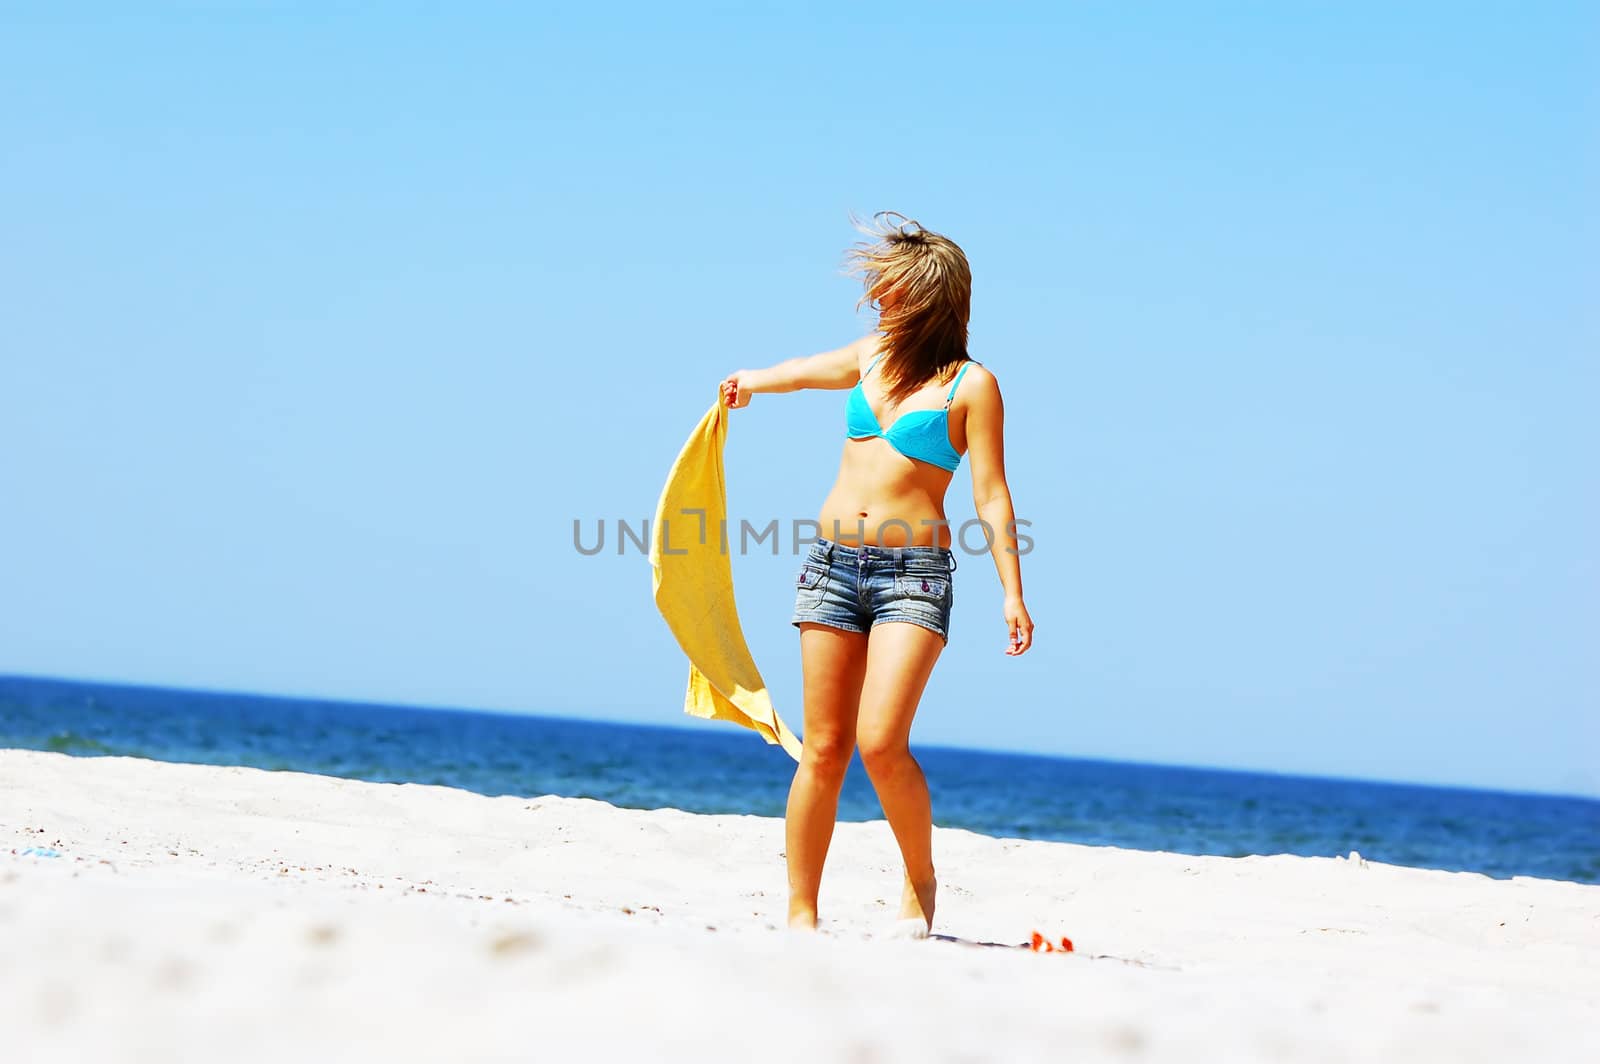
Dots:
pixel 711 767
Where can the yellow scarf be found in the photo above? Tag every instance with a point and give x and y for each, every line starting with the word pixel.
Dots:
pixel 692 576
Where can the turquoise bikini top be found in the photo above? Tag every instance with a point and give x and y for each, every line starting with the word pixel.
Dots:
pixel 921 435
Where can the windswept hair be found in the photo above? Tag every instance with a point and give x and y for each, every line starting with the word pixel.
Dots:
pixel 925 323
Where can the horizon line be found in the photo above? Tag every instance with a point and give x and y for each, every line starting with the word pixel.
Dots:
pixel 685 726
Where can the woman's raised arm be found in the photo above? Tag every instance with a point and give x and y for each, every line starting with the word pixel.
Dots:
pixel 839 368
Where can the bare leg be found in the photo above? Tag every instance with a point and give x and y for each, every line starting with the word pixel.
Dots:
pixel 900 658
pixel 833 662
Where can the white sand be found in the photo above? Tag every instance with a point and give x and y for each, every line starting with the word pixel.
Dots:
pixel 201 913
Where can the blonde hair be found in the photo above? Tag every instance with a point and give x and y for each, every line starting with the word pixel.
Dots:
pixel 925 325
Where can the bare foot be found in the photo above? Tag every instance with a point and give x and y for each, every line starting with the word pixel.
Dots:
pixel 916 908
pixel 802 918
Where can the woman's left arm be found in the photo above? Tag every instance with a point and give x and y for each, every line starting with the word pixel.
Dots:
pixel 992 496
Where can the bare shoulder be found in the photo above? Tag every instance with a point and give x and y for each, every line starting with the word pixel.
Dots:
pixel 867 349
pixel 979 383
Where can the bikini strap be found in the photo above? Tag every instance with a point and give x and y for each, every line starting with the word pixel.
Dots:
pixel 874 362
pixel 956 384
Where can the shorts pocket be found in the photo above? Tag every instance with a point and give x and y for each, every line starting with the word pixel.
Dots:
pixel 930 587
pixel 810 585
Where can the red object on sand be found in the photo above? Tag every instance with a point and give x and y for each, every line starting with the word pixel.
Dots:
pixel 1040 944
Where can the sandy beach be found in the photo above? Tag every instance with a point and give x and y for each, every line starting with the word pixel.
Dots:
pixel 158 911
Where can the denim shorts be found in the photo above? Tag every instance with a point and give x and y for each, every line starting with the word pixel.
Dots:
pixel 858 588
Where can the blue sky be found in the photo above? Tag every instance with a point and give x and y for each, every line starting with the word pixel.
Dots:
pixel 321 327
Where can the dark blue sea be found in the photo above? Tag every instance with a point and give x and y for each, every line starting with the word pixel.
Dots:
pixel 712 767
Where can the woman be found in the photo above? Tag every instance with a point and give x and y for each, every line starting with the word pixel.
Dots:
pixel 874 594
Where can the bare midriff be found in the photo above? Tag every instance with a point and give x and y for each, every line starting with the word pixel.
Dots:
pixel 884 498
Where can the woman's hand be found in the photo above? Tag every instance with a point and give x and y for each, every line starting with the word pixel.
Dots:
pixel 736 389
pixel 1019 624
